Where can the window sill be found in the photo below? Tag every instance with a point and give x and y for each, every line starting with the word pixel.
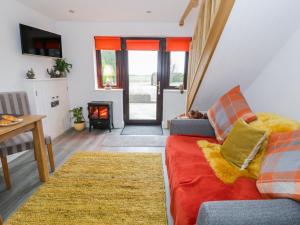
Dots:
pixel 173 90
pixel 113 89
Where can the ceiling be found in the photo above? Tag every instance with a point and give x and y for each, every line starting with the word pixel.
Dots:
pixel 111 10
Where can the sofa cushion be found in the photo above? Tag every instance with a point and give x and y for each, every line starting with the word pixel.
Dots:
pixel 280 172
pixel 270 123
pixel 193 182
pixel 242 144
pixel 227 110
pixel 260 212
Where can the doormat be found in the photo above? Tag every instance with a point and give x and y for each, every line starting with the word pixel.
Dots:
pixel 134 141
pixel 142 130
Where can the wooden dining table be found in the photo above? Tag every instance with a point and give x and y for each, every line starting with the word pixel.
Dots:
pixel 34 124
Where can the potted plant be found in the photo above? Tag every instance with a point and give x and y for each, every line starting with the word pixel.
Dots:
pixel 53 73
pixel 30 74
pixel 60 68
pixel 79 123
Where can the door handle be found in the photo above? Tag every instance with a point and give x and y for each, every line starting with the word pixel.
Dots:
pixel 158 87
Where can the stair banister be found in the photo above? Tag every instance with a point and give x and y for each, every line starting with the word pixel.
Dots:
pixel 212 17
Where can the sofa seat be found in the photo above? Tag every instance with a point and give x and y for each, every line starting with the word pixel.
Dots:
pixel 193 182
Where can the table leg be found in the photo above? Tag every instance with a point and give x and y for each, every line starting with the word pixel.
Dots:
pixel 6 173
pixel 40 151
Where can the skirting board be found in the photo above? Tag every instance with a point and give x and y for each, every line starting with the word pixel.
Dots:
pixel 117 125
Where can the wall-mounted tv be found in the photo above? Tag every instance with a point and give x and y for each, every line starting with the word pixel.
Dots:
pixel 39 42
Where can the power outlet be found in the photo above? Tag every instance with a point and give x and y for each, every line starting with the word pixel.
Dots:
pixel 54 103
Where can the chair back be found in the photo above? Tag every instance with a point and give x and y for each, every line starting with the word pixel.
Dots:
pixel 15 103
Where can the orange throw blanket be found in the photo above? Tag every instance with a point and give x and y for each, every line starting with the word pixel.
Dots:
pixel 193 182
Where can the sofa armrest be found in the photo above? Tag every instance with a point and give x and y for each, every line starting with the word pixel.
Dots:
pixel 265 212
pixel 192 127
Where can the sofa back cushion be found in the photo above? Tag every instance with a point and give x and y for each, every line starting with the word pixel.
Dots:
pixel 227 110
pixel 280 171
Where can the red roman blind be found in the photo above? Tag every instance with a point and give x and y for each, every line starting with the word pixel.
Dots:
pixel 178 44
pixel 143 45
pixel 108 43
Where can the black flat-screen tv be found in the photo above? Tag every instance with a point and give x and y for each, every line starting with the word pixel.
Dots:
pixel 39 42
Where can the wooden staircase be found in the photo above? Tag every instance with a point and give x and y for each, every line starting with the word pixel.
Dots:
pixel 213 15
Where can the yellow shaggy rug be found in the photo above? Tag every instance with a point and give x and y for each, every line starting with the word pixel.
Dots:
pixel 100 189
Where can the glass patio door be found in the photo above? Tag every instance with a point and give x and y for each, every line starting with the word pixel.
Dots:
pixel 143 102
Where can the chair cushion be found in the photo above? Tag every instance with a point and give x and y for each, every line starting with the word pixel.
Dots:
pixel 227 110
pixel 19 143
pixel 14 103
pixel 280 171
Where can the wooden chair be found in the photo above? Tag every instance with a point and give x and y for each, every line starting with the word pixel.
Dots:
pixel 17 103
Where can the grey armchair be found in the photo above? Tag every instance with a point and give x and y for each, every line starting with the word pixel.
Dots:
pixel 17 103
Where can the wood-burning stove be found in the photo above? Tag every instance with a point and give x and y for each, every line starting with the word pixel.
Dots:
pixel 101 115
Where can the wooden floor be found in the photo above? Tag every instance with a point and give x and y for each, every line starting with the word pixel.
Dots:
pixel 24 172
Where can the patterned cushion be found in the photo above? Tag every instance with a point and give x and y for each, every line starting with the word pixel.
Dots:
pixel 19 143
pixel 14 103
pixel 227 110
pixel 280 171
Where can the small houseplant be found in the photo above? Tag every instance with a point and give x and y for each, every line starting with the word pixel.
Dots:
pixel 30 74
pixel 79 123
pixel 60 68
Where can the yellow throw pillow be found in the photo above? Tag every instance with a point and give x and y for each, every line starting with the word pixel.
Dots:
pixel 242 144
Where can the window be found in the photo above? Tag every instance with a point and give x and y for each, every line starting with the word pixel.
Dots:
pixel 107 67
pixel 177 49
pixel 112 65
pixel 177 69
pixel 108 54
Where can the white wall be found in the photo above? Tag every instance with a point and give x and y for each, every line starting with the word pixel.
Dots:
pixel 78 46
pixel 254 33
pixel 277 88
pixel 14 65
pixel 173 105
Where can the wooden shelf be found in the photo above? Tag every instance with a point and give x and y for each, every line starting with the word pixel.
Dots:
pixel 48 79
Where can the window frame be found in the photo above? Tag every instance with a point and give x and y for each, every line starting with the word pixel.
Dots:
pixel 100 84
pixel 168 72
